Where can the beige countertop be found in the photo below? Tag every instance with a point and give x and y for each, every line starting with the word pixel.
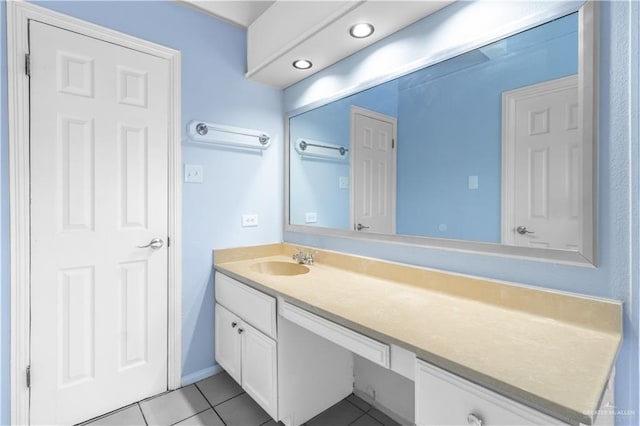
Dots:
pixel 551 351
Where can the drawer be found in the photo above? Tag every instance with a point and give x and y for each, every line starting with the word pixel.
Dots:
pixel 443 398
pixel 403 362
pixel 253 306
pixel 355 342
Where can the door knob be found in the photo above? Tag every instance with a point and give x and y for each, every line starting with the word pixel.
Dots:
pixel 360 227
pixel 155 244
pixel 522 230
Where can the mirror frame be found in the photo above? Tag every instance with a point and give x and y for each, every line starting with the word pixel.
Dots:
pixel 587 94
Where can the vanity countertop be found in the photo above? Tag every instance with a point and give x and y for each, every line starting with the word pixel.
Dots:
pixel 551 351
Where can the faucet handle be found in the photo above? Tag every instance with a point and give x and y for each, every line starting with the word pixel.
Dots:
pixel 308 257
pixel 298 255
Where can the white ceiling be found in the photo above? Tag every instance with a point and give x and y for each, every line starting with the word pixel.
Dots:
pixel 238 12
pixel 282 31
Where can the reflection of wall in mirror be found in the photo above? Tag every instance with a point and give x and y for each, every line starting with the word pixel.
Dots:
pixel 449 134
pixel 315 183
pixel 450 129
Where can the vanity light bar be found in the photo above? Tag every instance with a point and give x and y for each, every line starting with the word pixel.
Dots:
pixel 218 134
pixel 319 149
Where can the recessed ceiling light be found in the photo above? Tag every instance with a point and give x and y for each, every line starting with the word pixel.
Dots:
pixel 361 30
pixel 302 64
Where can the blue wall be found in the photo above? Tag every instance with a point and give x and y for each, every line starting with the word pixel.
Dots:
pixel 213 89
pixel 465 25
pixel 314 182
pixel 437 152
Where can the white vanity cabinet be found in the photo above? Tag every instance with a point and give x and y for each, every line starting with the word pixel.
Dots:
pixel 242 316
pixel 443 399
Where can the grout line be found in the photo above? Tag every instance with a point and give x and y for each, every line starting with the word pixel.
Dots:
pixel 142 412
pixel 219 416
pixel 354 404
pixel 203 395
pixel 229 399
pixel 371 417
pixel 193 415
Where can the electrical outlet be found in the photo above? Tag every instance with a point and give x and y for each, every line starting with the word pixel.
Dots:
pixel 249 220
pixel 311 217
pixel 343 182
pixel 442 227
pixel 473 182
pixel 193 173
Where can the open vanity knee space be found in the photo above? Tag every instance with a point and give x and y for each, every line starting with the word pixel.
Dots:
pixel 425 347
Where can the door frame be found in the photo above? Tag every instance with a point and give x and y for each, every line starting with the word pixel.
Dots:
pixel 18 15
pixel 352 155
pixel 509 100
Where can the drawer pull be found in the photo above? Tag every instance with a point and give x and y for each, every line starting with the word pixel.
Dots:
pixel 233 324
pixel 474 420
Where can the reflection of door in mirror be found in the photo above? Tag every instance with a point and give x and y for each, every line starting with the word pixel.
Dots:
pixel 373 168
pixel 542 171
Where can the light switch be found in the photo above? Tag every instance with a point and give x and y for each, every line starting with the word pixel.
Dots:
pixel 473 182
pixel 310 217
pixel 193 173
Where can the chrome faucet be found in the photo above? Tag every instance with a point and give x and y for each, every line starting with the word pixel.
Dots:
pixel 303 257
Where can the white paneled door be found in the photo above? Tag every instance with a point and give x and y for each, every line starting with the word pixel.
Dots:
pixel 543 157
pixel 99 135
pixel 373 168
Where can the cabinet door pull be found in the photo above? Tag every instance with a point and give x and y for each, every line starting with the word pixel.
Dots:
pixel 240 330
pixel 474 420
pixel 233 324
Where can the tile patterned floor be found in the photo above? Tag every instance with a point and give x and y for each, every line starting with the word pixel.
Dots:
pixel 220 401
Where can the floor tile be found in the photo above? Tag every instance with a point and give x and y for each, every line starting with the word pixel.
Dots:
pixel 358 402
pixel 173 407
pixel 206 418
pixel 242 411
pixel 366 420
pixel 341 414
pixel 272 422
pixel 382 418
pixel 130 416
pixel 219 388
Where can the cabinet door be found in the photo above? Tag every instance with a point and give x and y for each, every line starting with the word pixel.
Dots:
pixel 259 369
pixel 227 342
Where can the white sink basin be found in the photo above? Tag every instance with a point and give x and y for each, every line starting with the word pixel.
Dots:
pixel 275 267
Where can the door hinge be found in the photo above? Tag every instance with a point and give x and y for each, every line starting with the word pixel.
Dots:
pixel 28 376
pixel 168 242
pixel 393 143
pixel 27 64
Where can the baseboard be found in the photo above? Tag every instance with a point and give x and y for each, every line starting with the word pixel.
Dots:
pixel 200 374
pixel 375 404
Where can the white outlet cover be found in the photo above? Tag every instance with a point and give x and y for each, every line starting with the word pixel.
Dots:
pixel 473 182
pixel 442 227
pixel 249 220
pixel 310 217
pixel 193 173
pixel 343 182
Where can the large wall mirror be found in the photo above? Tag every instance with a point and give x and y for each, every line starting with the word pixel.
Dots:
pixel 491 150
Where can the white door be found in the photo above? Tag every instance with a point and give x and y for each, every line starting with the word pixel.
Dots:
pixel 542 166
pixel 99 135
pixel 259 369
pixel 373 171
pixel 227 342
